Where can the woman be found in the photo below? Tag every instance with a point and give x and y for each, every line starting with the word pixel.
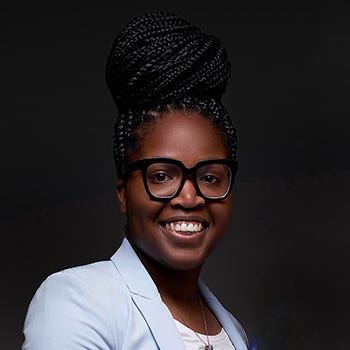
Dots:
pixel 175 153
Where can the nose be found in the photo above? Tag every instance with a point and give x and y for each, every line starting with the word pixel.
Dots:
pixel 188 197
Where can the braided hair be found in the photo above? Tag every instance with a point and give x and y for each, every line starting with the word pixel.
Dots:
pixel 159 62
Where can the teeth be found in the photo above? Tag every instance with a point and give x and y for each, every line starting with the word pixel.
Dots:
pixel 184 227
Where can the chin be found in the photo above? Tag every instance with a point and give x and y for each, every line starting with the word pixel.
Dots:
pixel 183 262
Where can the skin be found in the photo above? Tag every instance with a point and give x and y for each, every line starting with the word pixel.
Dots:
pixel 175 259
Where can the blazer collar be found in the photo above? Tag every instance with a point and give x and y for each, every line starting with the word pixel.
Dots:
pixel 133 272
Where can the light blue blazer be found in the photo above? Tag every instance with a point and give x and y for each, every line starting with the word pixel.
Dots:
pixel 110 305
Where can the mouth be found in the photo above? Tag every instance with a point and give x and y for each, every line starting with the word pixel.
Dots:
pixel 185 227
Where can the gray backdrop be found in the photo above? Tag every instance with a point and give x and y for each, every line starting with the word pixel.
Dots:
pixel 283 268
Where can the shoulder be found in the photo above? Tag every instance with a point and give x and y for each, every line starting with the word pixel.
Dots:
pixel 98 280
pixel 75 304
pixel 98 283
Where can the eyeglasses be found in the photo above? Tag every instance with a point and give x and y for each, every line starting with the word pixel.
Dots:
pixel 164 178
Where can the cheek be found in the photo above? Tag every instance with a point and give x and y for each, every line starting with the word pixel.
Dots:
pixel 136 203
pixel 221 212
pixel 140 209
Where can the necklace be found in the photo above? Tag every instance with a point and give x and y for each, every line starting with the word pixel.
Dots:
pixel 207 346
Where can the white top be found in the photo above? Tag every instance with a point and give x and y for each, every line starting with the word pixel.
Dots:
pixel 219 341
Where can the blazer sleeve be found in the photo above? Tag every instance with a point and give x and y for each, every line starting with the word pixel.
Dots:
pixel 64 315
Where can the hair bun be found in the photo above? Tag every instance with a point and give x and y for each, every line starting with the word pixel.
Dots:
pixel 159 58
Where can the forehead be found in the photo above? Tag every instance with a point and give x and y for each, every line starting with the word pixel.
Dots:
pixel 186 136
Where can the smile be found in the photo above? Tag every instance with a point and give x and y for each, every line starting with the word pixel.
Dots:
pixel 182 226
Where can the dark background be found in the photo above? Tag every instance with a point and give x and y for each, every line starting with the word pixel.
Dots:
pixel 283 268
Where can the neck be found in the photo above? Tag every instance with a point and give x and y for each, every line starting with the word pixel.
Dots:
pixel 177 286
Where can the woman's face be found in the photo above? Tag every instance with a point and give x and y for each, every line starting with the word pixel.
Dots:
pixel 190 138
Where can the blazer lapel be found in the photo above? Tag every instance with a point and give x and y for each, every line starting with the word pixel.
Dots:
pixel 232 327
pixel 160 322
pixel 147 299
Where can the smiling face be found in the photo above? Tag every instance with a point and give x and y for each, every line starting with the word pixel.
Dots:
pixel 182 232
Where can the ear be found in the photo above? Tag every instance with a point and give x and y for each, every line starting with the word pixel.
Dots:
pixel 120 191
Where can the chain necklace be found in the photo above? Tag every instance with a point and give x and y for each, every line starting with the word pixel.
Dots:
pixel 207 346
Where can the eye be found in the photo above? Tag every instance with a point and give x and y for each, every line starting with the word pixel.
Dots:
pixel 159 178
pixel 210 180
pixel 163 174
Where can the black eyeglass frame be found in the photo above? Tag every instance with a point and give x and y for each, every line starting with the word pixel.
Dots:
pixel 143 164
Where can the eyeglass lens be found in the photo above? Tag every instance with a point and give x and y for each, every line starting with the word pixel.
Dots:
pixel 165 179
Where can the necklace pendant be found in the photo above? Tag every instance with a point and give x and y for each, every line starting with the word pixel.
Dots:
pixel 209 347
